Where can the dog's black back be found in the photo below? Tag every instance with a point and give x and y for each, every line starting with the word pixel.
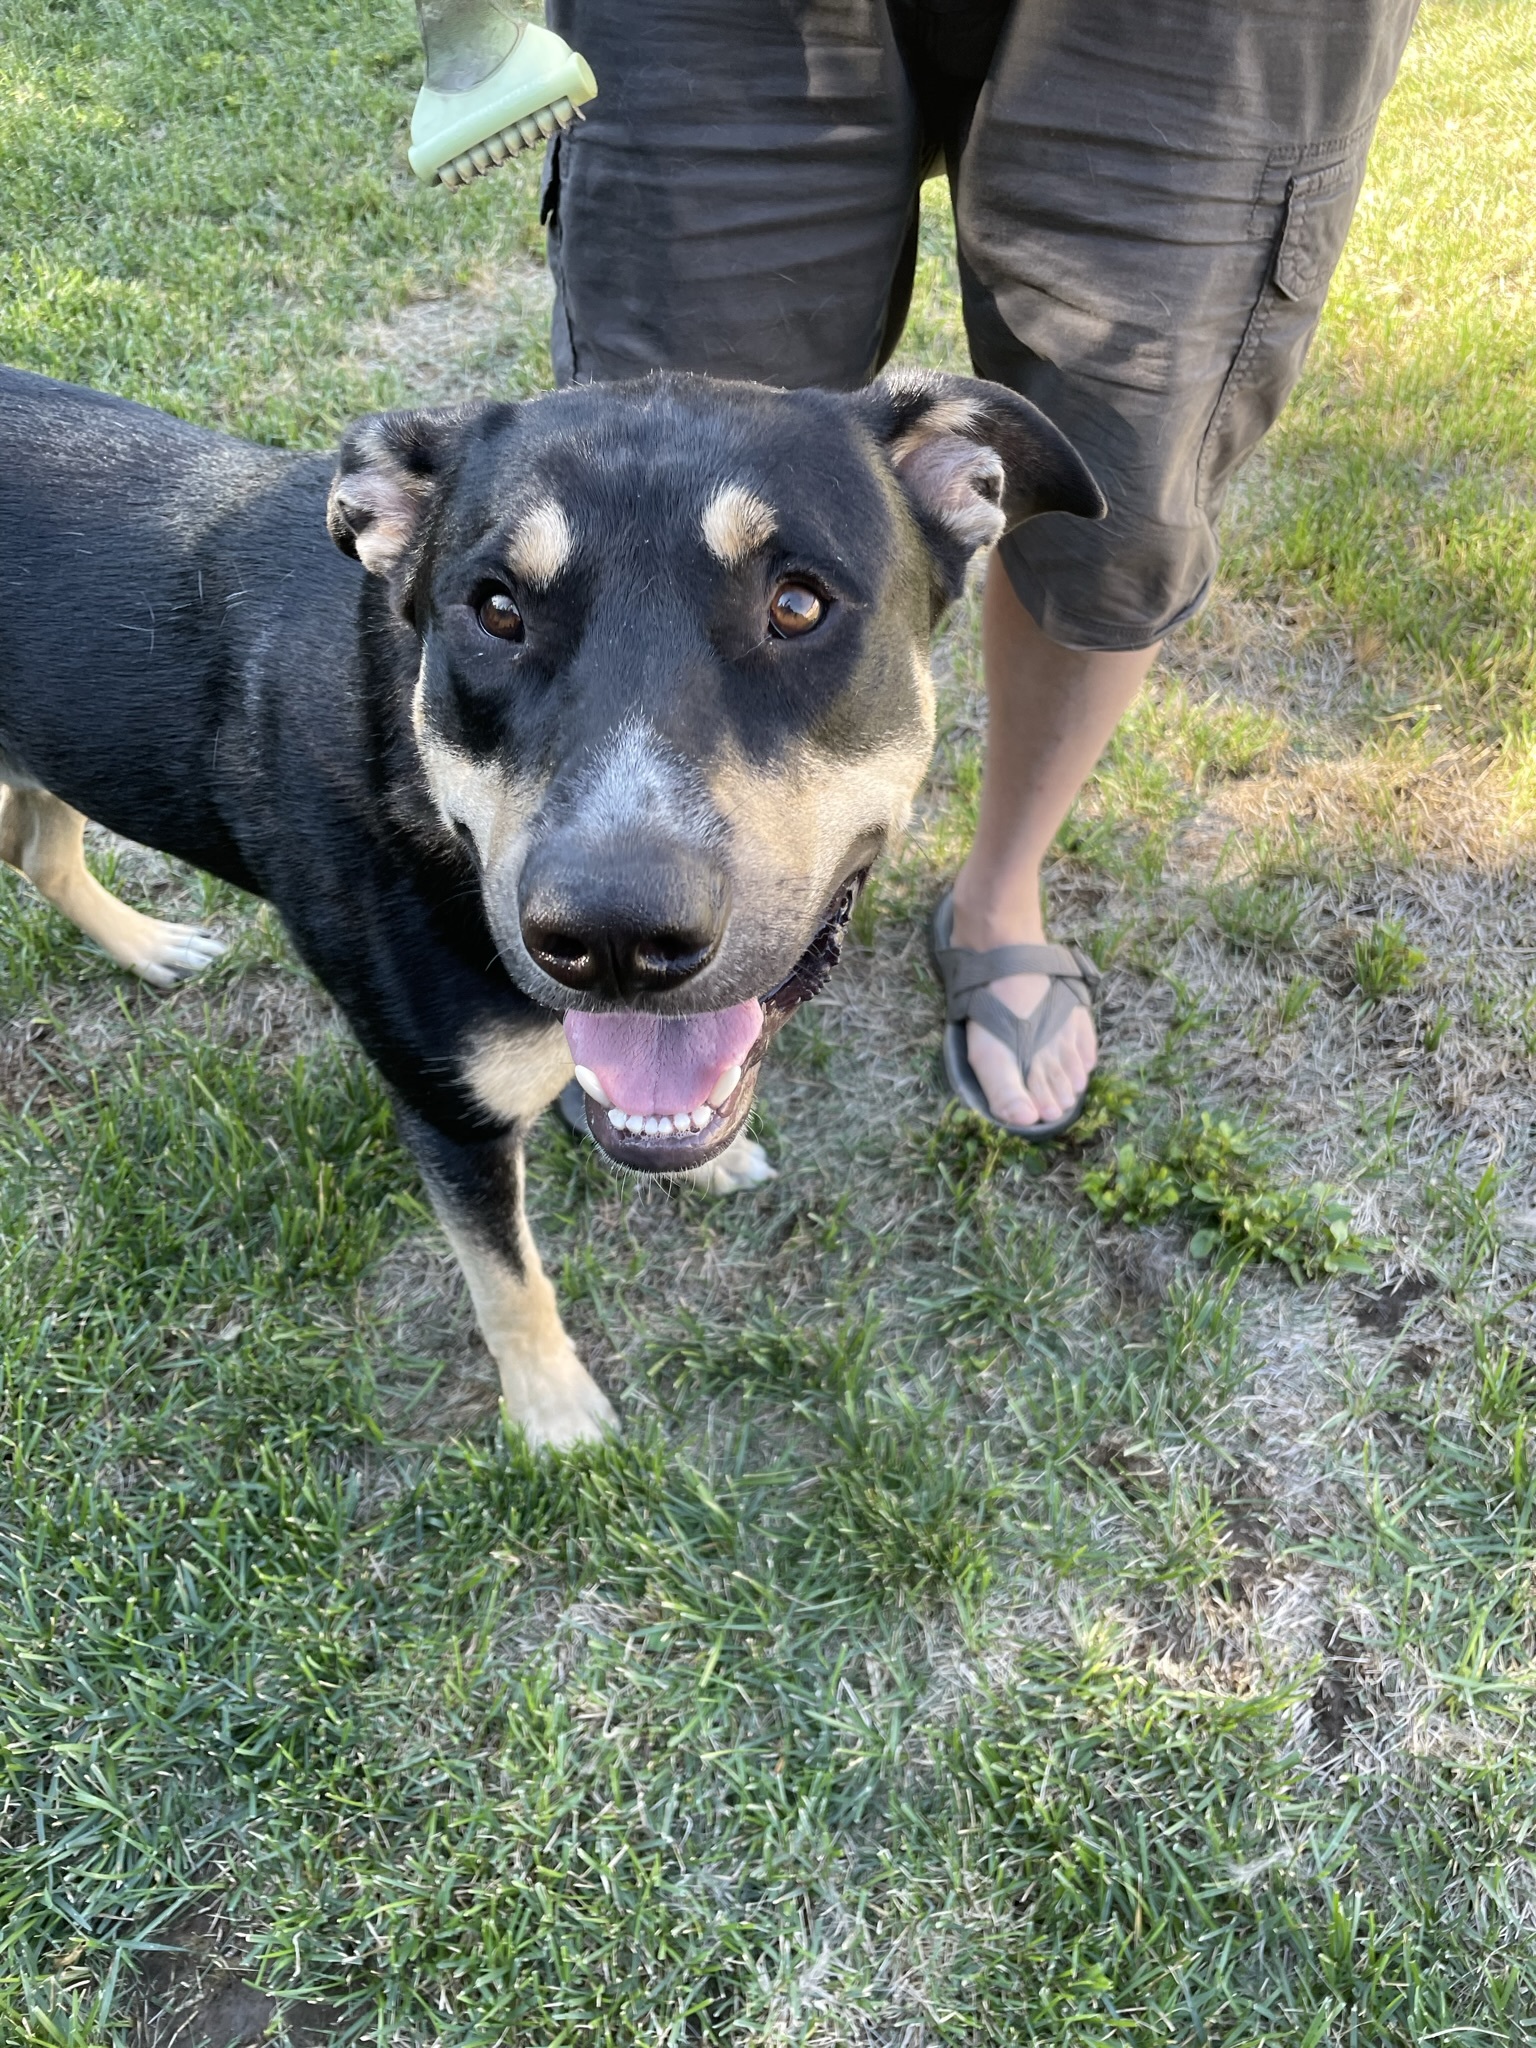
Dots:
pixel 130 545
pixel 181 659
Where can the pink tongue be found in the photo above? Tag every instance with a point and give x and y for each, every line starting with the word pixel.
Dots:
pixel 660 1065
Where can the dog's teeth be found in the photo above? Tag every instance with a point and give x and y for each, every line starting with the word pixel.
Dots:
pixel 663 1127
pixel 725 1087
pixel 618 1118
pixel 701 1116
pixel 590 1085
pixel 650 1125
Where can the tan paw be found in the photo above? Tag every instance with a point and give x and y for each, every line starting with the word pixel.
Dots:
pixel 743 1164
pixel 163 954
pixel 175 952
pixel 558 1403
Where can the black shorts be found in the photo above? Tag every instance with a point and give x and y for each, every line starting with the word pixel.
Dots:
pixel 1150 198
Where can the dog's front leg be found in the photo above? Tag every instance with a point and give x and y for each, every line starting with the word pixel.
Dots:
pixel 477 1191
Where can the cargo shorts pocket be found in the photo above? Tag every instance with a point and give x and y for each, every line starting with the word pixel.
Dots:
pixel 1315 208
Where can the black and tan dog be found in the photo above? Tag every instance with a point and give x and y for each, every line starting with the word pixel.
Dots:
pixel 574 748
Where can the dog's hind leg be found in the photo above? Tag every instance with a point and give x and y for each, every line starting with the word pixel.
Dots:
pixel 46 840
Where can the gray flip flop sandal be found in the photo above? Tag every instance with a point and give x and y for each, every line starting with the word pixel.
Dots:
pixel 967 976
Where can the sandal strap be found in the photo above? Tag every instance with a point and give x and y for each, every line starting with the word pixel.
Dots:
pixel 965 973
pixel 1023 1036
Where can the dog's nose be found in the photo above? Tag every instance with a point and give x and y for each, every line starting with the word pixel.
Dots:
pixel 622 922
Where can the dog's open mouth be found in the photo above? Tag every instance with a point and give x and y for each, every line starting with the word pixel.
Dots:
pixel 667 1093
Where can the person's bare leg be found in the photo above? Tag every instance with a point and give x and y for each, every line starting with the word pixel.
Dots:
pixel 1050 713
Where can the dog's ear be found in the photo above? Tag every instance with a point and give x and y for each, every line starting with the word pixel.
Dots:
pixel 974 459
pixel 388 468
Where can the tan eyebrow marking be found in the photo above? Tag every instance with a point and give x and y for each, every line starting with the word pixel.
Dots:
pixel 735 523
pixel 541 543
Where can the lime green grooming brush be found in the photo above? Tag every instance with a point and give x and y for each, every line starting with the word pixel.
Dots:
pixel 495 85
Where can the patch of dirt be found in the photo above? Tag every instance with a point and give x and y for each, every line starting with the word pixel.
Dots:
pixel 1247 1531
pixel 1119 1454
pixel 1144 1263
pixel 1272 657
pixel 283 1014
pixel 191 1995
pixel 470 344
pixel 1384 1310
pixel 29 1066
pixel 1416 1362
pixel 1339 1702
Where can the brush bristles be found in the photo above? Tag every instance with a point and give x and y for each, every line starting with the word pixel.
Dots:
pixel 527 133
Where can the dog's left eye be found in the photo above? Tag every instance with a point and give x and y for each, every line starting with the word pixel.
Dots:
pixel 795 608
pixel 498 615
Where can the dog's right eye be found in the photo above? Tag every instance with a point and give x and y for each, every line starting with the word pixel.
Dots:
pixel 795 609
pixel 499 616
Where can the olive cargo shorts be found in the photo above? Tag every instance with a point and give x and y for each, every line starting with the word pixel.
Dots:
pixel 1150 198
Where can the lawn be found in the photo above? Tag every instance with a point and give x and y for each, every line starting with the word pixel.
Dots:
pixel 1070 1597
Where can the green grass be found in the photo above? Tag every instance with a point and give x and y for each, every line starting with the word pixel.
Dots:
pixel 1213 1173
pixel 1399 485
pixel 1257 915
pixel 1384 963
pixel 201 202
pixel 1001 1622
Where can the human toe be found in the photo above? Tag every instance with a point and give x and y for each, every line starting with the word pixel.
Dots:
pixel 1072 1067
pixel 1075 1054
pixel 998 1073
pixel 1050 1089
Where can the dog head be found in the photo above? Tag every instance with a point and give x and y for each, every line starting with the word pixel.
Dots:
pixel 673 695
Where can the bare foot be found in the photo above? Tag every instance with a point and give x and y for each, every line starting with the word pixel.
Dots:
pixel 1059 1071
